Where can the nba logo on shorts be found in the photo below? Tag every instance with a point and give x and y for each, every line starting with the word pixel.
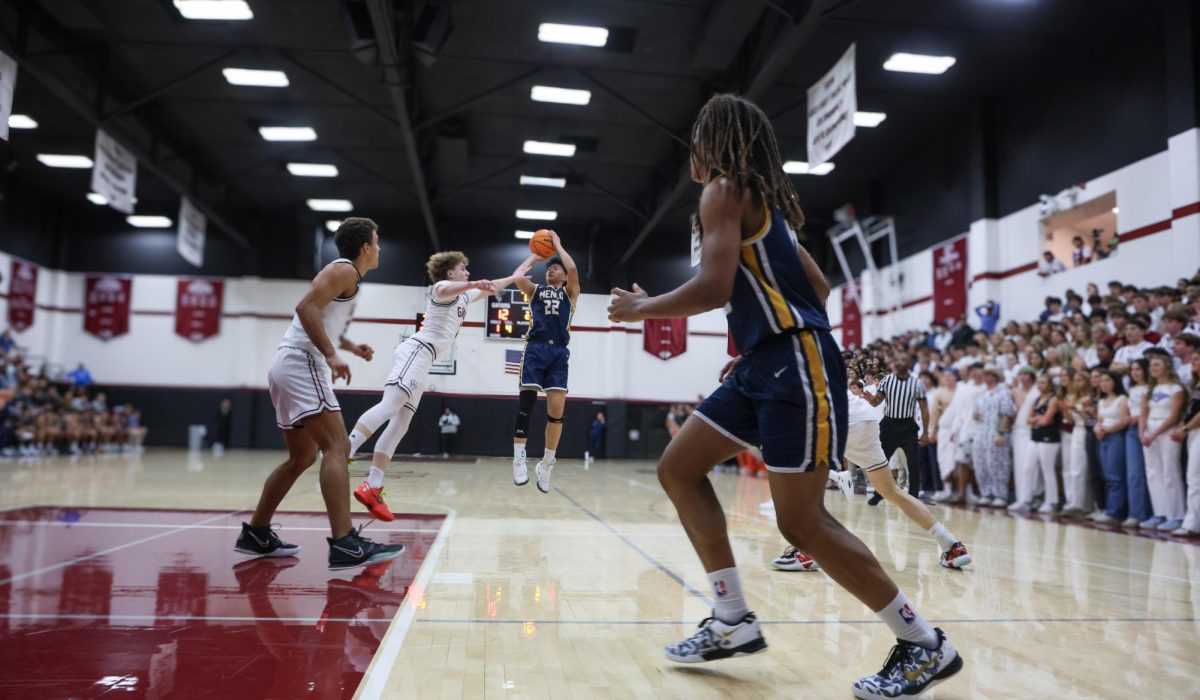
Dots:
pixel 719 589
pixel 907 614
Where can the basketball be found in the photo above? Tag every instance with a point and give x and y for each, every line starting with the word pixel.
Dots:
pixel 542 243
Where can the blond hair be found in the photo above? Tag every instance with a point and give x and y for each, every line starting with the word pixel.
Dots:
pixel 441 263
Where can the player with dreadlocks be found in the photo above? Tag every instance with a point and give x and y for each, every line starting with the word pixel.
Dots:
pixel 786 393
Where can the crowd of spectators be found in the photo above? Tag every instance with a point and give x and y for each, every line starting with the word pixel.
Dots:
pixel 43 415
pixel 1091 410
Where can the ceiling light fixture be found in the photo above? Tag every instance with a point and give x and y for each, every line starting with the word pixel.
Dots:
pixel 330 204
pixel 549 148
pixel 524 235
pixel 288 133
pixel 919 63
pixel 532 181
pixel 562 96
pixel 97 198
pixel 869 119
pixel 214 9
pixel 60 160
pixel 537 214
pixel 21 121
pixel 312 169
pixel 579 34
pixel 148 221
pixel 255 78
pixel 799 167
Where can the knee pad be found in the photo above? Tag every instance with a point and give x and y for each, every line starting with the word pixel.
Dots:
pixel 528 398
pixel 552 419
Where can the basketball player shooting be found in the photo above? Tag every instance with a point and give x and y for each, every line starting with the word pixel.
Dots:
pixel 787 395
pixel 544 362
pixel 306 410
pixel 445 310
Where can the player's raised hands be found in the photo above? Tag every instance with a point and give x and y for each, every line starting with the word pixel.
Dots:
pixel 625 305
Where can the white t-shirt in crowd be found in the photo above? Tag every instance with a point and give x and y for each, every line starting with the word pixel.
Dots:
pixel 1128 353
pixel 1109 411
pixel 1160 401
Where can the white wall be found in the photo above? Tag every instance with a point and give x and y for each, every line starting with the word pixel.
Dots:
pixel 1150 193
pixel 606 361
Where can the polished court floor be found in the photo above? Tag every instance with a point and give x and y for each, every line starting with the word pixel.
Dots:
pixel 117 580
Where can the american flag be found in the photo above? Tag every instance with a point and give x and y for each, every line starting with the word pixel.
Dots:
pixel 512 361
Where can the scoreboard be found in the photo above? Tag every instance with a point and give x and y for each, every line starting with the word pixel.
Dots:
pixel 508 315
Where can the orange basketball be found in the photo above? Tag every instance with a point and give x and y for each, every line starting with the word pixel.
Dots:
pixel 542 243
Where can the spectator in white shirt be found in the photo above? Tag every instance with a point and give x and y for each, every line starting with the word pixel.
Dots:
pixel 1186 345
pixel 1134 348
pixel 1173 321
pixel 1081 254
pixel 1050 265
pixel 448 424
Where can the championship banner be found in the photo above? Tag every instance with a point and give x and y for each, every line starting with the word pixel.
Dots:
pixel 8 86
pixel 189 239
pixel 851 316
pixel 114 175
pixel 832 102
pixel 106 305
pixel 198 308
pixel 664 337
pixel 950 280
pixel 22 295
pixel 731 348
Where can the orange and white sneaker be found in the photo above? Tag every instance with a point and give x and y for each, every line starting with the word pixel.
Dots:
pixel 793 559
pixel 956 557
pixel 372 498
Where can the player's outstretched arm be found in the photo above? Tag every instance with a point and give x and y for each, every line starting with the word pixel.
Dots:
pixel 721 208
pixel 569 263
pixel 446 290
pixel 329 284
pixel 519 276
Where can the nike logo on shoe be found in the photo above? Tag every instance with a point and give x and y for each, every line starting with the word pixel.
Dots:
pixel 261 543
pixel 354 553
pixel 915 674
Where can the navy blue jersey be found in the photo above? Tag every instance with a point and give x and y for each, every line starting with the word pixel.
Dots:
pixel 771 293
pixel 551 311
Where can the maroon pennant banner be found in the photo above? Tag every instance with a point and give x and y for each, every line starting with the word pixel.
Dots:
pixel 22 295
pixel 198 308
pixel 106 306
pixel 950 281
pixel 851 316
pixel 665 337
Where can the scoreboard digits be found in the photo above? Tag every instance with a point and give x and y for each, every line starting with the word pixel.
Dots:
pixel 508 315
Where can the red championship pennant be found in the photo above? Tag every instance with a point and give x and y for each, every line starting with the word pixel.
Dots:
pixel 22 295
pixel 950 281
pixel 665 337
pixel 106 305
pixel 198 308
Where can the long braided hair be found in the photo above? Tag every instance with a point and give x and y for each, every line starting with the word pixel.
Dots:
pixel 733 138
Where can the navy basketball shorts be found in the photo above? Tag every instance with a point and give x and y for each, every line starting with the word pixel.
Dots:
pixel 788 397
pixel 544 366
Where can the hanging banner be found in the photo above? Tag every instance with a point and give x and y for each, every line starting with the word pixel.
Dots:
pixel 731 348
pixel 189 240
pixel 22 295
pixel 851 316
pixel 950 280
pixel 832 102
pixel 114 175
pixel 198 308
pixel 8 86
pixel 664 337
pixel 106 306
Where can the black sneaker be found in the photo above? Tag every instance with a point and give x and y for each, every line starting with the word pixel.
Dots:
pixel 910 670
pixel 355 550
pixel 263 542
pixel 875 499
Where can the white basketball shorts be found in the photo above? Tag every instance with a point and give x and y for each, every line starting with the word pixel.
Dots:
pixel 301 385
pixel 410 368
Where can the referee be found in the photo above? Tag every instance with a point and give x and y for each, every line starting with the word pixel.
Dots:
pixel 898 430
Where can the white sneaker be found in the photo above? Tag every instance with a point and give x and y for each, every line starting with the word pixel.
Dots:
pixel 1047 509
pixel 998 502
pixel 717 640
pixel 1018 507
pixel 844 482
pixel 520 471
pixel 543 476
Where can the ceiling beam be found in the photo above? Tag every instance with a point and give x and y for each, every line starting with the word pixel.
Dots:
pixel 451 111
pixel 382 23
pixel 171 84
pixel 781 54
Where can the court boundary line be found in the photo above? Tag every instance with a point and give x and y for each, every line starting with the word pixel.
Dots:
pixel 940 621
pixel 659 565
pixel 110 550
pixel 176 618
pixel 383 661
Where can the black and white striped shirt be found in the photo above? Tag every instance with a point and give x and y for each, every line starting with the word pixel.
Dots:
pixel 902 395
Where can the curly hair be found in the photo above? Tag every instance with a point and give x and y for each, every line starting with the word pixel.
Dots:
pixel 733 138
pixel 441 263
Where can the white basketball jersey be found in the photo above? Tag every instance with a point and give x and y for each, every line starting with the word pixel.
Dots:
pixel 444 319
pixel 335 318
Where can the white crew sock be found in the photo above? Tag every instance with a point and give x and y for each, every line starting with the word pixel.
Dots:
pixel 375 477
pixel 548 458
pixel 944 537
pixel 518 450
pixel 356 441
pixel 906 623
pixel 729 605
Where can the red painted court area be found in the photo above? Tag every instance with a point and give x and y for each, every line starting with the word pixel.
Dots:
pixel 138 603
